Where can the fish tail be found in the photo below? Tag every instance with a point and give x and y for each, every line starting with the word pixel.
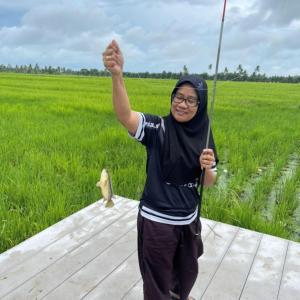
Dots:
pixel 109 203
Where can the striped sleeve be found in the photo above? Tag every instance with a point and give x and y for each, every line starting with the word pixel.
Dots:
pixel 147 128
pixel 140 132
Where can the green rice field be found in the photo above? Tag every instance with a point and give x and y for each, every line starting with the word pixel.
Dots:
pixel 58 132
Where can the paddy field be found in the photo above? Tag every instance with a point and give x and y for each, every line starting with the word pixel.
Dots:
pixel 58 132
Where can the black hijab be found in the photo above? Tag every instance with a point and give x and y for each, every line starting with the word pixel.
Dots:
pixel 184 142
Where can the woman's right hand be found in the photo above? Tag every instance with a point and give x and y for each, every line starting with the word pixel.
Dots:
pixel 113 59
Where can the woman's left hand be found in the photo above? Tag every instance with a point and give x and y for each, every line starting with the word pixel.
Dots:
pixel 207 159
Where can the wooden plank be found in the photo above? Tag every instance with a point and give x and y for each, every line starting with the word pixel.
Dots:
pixel 232 273
pixel 38 242
pixel 85 280
pixel 50 278
pixel 128 274
pixel 92 255
pixel 207 225
pixel 21 273
pixel 136 292
pixel 264 278
pixel 290 282
pixel 119 282
pixel 215 247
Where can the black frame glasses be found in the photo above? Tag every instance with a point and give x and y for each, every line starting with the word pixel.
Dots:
pixel 189 100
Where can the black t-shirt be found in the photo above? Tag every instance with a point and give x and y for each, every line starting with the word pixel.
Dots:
pixel 162 201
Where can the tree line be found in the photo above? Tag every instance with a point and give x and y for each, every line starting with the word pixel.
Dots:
pixel 239 74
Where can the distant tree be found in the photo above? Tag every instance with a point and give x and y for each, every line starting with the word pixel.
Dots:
pixel 50 70
pixel 185 70
pixel 239 75
pixel 225 74
pixel 84 72
pixel 204 75
pixel 94 72
pixel 240 69
pixel 25 68
pixel 210 67
pixel 244 75
pixel 29 69
pixel 36 69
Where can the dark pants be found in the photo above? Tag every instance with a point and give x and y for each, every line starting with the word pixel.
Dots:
pixel 167 258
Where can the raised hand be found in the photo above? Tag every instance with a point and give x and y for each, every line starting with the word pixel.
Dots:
pixel 113 58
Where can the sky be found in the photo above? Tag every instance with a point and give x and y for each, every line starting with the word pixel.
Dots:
pixel 154 35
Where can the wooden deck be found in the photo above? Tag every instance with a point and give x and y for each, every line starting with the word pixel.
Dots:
pixel 92 255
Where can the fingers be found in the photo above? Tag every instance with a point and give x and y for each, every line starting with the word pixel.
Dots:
pixel 112 56
pixel 207 159
pixel 112 48
pixel 109 51
pixel 115 46
pixel 109 57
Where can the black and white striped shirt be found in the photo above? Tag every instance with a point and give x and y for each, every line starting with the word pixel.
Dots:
pixel 161 201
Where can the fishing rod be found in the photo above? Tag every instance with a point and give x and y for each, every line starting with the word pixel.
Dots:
pixel 211 111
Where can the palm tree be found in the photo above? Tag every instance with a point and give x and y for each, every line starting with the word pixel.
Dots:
pixel 240 69
pixel 185 70
pixel 210 67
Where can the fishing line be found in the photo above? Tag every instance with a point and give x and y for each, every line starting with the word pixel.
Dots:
pixel 210 119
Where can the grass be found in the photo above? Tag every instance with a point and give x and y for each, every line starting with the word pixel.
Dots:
pixel 58 132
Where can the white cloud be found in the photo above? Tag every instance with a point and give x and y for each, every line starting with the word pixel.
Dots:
pixel 154 35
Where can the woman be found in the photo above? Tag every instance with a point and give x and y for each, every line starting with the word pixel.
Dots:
pixel 167 221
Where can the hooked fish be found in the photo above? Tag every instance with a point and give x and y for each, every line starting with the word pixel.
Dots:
pixel 106 188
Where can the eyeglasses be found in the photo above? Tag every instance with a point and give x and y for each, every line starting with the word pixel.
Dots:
pixel 189 100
